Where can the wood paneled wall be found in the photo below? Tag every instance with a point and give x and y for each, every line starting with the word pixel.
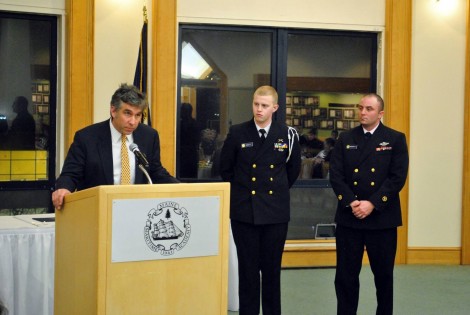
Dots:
pixel 397 90
pixel 466 156
pixel 79 67
pixel 164 66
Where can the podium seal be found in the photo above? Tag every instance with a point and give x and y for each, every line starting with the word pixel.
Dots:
pixel 167 228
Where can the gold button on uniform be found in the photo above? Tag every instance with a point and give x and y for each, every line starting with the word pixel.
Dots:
pixel 253 179
pixel 270 192
pixel 355 183
pixel 372 170
pixel 271 179
pixel 384 198
pixel 253 192
pixel 254 165
pixel 356 170
pixel 271 166
pixel 372 183
pixel 340 197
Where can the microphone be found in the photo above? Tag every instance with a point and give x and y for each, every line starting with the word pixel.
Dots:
pixel 140 156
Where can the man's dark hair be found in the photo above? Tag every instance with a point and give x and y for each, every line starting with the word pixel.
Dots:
pixel 129 94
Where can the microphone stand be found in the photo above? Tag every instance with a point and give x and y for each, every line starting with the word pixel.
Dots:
pixel 145 172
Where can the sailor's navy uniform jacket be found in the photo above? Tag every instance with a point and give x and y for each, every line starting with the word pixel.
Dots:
pixel 258 172
pixel 373 170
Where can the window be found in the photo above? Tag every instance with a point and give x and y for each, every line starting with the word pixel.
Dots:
pixel 318 75
pixel 28 59
pixel 218 69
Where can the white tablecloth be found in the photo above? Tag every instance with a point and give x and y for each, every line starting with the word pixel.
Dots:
pixel 27 266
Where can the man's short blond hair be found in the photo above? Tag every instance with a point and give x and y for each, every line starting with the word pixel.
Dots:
pixel 267 90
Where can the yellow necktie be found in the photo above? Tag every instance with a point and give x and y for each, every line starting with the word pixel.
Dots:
pixel 125 167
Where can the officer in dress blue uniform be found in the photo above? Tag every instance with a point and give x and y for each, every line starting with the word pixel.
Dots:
pixel 369 166
pixel 261 160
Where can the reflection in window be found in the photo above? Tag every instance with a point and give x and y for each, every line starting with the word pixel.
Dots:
pixel 217 80
pixel 326 73
pixel 28 63
pixel 194 66
pixel 319 76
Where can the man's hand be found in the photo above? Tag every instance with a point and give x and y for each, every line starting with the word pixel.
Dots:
pixel 58 197
pixel 361 209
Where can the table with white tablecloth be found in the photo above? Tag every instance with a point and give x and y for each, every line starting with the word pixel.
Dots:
pixel 27 264
pixel 27 249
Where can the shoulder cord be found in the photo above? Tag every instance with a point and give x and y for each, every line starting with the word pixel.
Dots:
pixel 291 134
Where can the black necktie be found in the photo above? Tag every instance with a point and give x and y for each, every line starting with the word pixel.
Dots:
pixel 263 135
pixel 367 135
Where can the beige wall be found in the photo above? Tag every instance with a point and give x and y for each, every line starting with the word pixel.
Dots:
pixel 118 24
pixel 330 14
pixel 42 6
pixel 437 98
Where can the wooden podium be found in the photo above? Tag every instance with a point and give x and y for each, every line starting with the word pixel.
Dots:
pixel 88 280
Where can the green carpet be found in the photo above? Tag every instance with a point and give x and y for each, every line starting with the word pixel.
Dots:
pixel 419 290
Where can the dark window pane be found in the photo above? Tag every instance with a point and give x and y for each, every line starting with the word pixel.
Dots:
pixel 325 73
pixel 217 79
pixel 28 67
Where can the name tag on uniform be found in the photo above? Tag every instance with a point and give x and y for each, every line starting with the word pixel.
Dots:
pixel 351 147
pixel 247 145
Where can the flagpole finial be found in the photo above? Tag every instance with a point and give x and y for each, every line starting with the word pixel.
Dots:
pixel 145 14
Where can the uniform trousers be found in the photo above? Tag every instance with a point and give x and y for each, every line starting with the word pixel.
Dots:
pixel 381 246
pixel 259 250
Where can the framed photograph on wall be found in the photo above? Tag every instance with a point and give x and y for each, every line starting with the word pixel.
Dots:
pixel 308 123
pixel 319 113
pixel 335 113
pixel 296 100
pixel 330 124
pixel 342 124
pixel 349 114
pixel 327 124
pixel 40 89
pixel 315 100
pixel 43 109
pixel 45 99
pixel 45 87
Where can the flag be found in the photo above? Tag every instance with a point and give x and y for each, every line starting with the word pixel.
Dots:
pixel 140 77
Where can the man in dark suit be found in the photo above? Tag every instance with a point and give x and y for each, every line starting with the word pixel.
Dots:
pixel 261 160
pixel 369 166
pixel 94 158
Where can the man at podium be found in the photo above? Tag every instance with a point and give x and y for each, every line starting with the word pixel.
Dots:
pixel 261 160
pixel 100 154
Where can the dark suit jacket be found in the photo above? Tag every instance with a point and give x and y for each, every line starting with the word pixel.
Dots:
pixel 89 162
pixel 373 170
pixel 259 175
